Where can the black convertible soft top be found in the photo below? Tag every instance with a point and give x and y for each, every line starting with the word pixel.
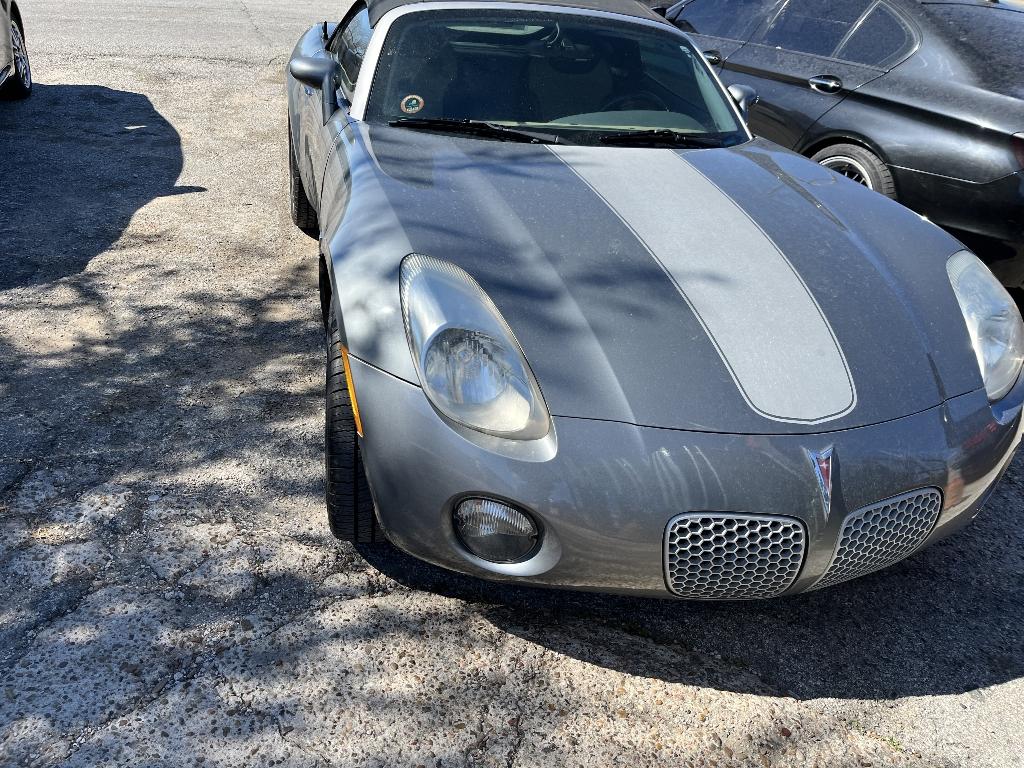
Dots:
pixel 378 8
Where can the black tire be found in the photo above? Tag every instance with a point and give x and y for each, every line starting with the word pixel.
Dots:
pixel 303 215
pixel 19 84
pixel 858 164
pixel 350 510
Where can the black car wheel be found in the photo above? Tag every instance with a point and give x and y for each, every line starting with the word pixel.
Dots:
pixel 19 84
pixel 858 164
pixel 349 503
pixel 303 215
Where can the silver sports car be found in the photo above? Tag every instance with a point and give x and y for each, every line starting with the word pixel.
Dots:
pixel 586 332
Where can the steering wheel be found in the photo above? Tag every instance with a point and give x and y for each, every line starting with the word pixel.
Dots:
pixel 637 100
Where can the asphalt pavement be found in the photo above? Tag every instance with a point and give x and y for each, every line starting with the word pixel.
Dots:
pixel 169 593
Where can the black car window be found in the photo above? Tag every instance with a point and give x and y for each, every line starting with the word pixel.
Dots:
pixel 882 39
pixel 349 45
pixel 816 27
pixel 731 19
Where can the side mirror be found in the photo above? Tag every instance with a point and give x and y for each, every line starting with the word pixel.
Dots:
pixel 314 71
pixel 745 97
pixel 322 73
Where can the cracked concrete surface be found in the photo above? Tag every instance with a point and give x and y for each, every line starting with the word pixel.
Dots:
pixel 171 595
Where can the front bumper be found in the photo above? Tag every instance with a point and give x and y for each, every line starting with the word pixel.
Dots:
pixel 605 492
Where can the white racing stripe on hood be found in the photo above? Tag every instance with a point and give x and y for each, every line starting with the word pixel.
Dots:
pixel 756 309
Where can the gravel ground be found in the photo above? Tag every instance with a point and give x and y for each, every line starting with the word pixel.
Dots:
pixel 170 593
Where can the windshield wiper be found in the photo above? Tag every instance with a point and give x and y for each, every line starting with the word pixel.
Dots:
pixel 475 128
pixel 660 136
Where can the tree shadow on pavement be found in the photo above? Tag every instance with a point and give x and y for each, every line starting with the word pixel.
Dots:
pixel 947 621
pixel 172 593
pixel 78 162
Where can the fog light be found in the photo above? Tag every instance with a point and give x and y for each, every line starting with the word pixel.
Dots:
pixel 494 531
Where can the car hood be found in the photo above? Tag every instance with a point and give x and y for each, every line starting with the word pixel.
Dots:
pixel 741 290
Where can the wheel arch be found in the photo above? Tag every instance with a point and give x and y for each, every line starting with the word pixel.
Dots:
pixel 328 296
pixel 326 290
pixel 16 16
pixel 830 140
pixel 833 139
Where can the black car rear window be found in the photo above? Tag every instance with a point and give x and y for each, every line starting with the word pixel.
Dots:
pixel 731 19
pixel 882 39
pixel 990 41
pixel 816 27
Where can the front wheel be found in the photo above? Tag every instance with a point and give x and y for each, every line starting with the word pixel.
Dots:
pixel 19 84
pixel 350 510
pixel 860 165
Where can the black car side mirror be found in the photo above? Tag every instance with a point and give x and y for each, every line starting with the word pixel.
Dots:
pixel 322 73
pixel 745 97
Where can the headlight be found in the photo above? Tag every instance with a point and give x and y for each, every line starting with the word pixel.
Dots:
pixel 993 321
pixel 469 364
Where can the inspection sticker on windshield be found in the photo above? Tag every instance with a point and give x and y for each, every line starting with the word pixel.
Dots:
pixel 412 104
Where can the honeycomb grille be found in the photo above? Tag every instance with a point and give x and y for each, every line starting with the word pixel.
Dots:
pixel 878 536
pixel 723 556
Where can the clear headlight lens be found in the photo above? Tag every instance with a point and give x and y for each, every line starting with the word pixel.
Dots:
pixel 993 321
pixel 469 363
pixel 495 531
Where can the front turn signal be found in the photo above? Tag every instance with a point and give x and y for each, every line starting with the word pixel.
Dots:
pixel 351 390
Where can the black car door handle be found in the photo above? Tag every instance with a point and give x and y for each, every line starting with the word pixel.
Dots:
pixel 826 84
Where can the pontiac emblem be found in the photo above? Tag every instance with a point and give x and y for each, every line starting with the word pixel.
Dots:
pixel 822 463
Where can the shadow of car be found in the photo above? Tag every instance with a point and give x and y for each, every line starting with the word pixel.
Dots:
pixel 78 161
pixel 947 621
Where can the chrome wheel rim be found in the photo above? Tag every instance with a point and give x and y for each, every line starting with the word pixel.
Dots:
pixel 850 168
pixel 21 65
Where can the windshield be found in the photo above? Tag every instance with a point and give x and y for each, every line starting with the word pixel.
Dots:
pixel 576 76
pixel 991 39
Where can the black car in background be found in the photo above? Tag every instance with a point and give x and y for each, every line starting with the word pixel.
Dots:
pixel 922 101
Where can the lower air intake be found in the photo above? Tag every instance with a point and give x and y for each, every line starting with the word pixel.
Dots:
pixel 878 536
pixel 710 556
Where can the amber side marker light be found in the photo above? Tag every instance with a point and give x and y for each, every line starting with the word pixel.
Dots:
pixel 351 390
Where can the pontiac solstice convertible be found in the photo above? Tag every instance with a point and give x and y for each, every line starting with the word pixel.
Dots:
pixel 584 331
